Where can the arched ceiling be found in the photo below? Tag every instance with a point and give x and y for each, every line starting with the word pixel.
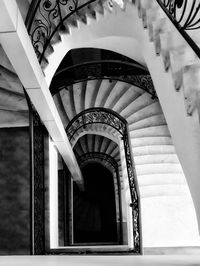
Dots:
pixel 95 148
pixel 92 63
pixel 150 138
pixel 92 143
pixel 80 56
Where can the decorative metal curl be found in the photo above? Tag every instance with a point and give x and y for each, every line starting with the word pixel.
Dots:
pixel 47 17
pixel 98 155
pixel 37 136
pixel 185 15
pixel 95 115
pixel 185 12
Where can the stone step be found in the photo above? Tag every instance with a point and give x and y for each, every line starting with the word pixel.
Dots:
pixel 161 179
pixel 170 190
pixel 157 140
pixel 156 158
pixel 144 112
pixel 154 120
pixel 177 54
pixel 153 149
pixel 154 131
pixel 141 102
pixel 154 168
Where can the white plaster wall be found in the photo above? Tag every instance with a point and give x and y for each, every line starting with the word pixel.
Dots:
pixel 185 130
pixel 174 219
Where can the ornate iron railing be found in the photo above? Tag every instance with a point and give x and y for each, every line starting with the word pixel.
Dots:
pixel 46 17
pixel 110 118
pixel 112 70
pixel 96 115
pixel 185 15
pixel 98 155
pixel 37 133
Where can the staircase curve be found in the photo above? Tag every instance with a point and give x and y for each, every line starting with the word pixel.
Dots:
pixel 161 181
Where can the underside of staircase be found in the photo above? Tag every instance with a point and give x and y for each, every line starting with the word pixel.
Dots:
pixel 13 105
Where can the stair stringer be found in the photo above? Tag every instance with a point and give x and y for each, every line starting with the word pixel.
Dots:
pixel 103 33
pixel 184 129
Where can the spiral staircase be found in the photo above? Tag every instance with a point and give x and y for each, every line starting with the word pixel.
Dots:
pixel 158 170
pixel 166 204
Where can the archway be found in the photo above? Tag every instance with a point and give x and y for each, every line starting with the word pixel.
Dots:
pixel 94 209
pixel 111 119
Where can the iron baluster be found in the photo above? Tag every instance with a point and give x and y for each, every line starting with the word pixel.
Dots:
pixel 185 15
pixel 45 19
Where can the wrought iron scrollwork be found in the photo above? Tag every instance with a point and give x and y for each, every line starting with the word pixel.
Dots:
pixel 185 15
pixel 38 230
pixel 142 81
pixel 95 115
pixel 47 18
pixel 134 192
pixel 104 70
pixel 185 12
pixel 109 117
pixel 99 155
pixel 37 225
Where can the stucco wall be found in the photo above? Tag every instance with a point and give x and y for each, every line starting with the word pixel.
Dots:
pixel 14 191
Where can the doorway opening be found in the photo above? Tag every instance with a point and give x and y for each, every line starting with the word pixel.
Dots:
pixel 95 208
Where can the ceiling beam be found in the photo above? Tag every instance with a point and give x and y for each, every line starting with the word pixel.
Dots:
pixel 17 45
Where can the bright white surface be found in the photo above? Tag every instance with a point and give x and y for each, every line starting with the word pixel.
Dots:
pixel 175 221
pixel 185 130
pixel 53 194
pixel 128 260
pixel 189 151
pixel 8 7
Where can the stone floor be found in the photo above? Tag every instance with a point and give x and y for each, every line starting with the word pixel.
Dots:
pixel 100 260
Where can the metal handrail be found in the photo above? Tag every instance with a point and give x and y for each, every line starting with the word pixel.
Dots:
pixel 96 115
pixel 185 15
pixel 99 155
pixel 46 17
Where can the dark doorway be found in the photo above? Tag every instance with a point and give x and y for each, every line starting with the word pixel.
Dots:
pixel 95 208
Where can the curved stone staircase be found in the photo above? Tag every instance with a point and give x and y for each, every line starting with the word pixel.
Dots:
pixel 178 57
pixel 51 19
pixel 97 144
pixel 91 143
pixel 174 55
pixel 177 54
pixel 101 150
pixel 159 173
pixel 164 192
